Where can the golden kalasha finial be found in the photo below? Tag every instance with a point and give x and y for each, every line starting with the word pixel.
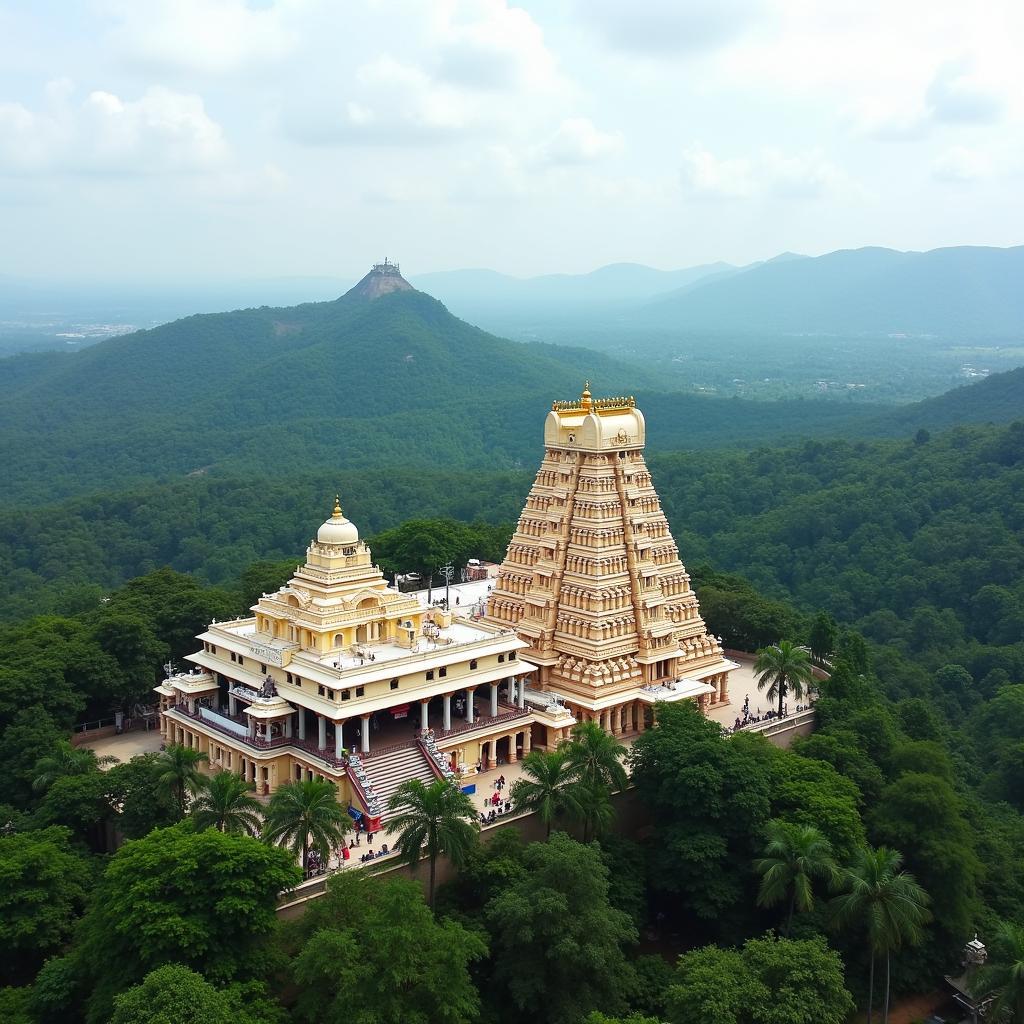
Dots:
pixel 337 505
pixel 586 388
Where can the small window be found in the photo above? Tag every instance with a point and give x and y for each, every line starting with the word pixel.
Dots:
pixel 359 691
pixel 241 660
pixel 472 664
pixel 622 455
pixel 263 668
pixel 430 675
pixel 443 671
pixel 289 676
pixel 511 655
pixel 234 656
pixel 322 691
pixel 394 684
pixel 501 658
pixel 346 694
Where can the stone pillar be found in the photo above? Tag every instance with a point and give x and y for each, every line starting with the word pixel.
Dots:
pixel 641 717
pixel 527 738
pixel 366 734
pixel 266 730
pixel 339 738
pixel 288 726
pixel 302 723
pixel 446 719
pixel 494 700
pixel 321 740
pixel 521 692
pixel 723 687
pixel 232 705
pixel 424 714
pixel 512 748
pixel 616 720
pixel 470 717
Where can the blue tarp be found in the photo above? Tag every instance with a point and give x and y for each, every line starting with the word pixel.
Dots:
pixel 470 790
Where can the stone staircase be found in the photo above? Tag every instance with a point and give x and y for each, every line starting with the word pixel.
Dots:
pixel 386 772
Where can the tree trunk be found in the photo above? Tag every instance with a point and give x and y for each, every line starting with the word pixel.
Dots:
pixel 885 1012
pixel 433 863
pixel 789 920
pixel 305 857
pixel 782 696
pixel 871 986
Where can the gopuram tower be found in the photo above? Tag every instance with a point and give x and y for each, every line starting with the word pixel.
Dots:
pixel 592 580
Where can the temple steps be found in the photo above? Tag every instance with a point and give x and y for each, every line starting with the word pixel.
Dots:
pixel 387 772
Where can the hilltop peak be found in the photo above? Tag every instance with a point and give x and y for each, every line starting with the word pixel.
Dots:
pixel 383 278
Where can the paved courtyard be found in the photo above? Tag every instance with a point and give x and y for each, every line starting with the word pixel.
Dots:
pixel 127 745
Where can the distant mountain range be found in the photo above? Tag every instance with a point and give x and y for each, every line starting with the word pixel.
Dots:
pixel 965 290
pixel 953 292
pixel 468 292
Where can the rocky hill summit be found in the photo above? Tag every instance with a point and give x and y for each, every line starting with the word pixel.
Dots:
pixel 382 279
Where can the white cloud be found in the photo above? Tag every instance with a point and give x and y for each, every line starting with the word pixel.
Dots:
pixel 805 175
pixel 160 131
pixel 578 141
pixel 958 95
pixel 205 36
pixel 451 70
pixel 960 165
pixel 668 27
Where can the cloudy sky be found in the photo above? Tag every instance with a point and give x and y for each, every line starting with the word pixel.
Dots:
pixel 178 139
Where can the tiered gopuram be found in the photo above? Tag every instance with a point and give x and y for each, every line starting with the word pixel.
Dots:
pixel 592 580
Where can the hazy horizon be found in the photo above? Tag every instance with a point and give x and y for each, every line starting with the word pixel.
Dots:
pixel 178 140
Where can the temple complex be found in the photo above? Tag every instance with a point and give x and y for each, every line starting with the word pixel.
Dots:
pixel 339 676
pixel 592 581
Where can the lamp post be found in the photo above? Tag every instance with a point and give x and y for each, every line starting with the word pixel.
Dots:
pixel 447 571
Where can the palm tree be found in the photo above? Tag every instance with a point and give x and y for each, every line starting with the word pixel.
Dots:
pixel 888 901
pixel 784 667
pixel 548 786
pixel 593 808
pixel 180 774
pixel 304 815
pixel 794 857
pixel 66 760
pixel 223 802
pixel 596 756
pixel 1003 975
pixel 439 817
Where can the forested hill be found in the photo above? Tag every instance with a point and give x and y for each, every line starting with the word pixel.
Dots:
pixel 394 380
pixel 956 292
pixel 996 399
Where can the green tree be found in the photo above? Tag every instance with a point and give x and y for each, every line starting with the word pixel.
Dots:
pixel 306 815
pixel 1003 975
pixel 206 900
pixel 822 638
pixel 597 757
pixel 886 902
pixel 66 760
pixel 422 546
pixel 143 803
pixel 557 944
pixel 44 883
pixel 177 995
pixel 180 774
pixel 435 819
pixel 547 786
pixel 702 849
pixel 371 952
pixel 31 736
pixel 794 859
pixel 784 668
pixel 769 981
pixel 223 802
